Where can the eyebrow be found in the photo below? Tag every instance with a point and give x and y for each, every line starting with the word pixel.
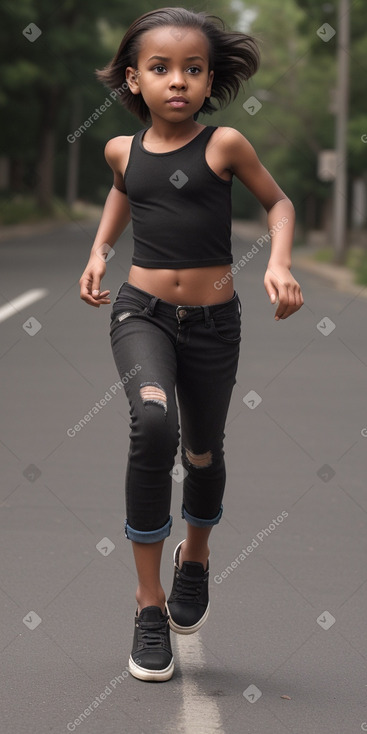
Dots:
pixel 166 58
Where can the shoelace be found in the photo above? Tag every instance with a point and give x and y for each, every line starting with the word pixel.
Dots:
pixel 152 636
pixel 187 589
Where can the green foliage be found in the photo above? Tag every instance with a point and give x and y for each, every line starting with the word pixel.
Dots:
pixel 324 255
pixel 21 209
pixel 295 86
pixel 357 261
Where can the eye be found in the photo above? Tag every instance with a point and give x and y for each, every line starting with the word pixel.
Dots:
pixel 196 69
pixel 159 66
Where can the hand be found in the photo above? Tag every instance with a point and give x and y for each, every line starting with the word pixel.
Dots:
pixel 90 283
pixel 282 288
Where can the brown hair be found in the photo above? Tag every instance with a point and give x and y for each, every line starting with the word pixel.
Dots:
pixel 233 56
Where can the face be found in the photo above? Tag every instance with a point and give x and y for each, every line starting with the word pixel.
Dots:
pixel 173 62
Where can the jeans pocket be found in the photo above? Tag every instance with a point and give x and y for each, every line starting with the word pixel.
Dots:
pixel 120 314
pixel 227 327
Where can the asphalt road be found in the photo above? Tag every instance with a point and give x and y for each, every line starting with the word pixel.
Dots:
pixel 285 646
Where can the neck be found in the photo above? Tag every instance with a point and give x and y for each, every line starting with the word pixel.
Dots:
pixel 165 131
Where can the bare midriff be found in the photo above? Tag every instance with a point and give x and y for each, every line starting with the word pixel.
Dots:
pixel 186 286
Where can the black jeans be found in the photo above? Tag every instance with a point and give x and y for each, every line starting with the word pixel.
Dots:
pixel 193 350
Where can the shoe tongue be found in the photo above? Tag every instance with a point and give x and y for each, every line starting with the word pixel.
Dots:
pixel 151 614
pixel 192 568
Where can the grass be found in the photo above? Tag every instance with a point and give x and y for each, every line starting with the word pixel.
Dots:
pixel 356 261
pixel 24 210
pixel 324 255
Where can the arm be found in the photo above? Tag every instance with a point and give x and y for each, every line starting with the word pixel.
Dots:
pixel 115 217
pixel 278 281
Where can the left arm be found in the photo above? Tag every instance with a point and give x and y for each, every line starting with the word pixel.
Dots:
pixel 278 280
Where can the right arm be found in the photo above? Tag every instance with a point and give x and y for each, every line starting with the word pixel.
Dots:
pixel 115 217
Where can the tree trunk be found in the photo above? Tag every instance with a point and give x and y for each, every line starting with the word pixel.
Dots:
pixel 50 102
pixel 310 212
pixel 327 219
pixel 74 150
pixel 16 175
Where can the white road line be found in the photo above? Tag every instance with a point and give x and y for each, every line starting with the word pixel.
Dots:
pixel 199 713
pixel 22 301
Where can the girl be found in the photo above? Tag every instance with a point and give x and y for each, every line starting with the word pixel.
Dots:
pixel 170 318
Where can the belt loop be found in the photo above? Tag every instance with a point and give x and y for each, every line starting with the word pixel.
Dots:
pixel 152 305
pixel 206 316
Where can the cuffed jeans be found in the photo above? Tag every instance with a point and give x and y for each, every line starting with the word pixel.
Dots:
pixel 162 350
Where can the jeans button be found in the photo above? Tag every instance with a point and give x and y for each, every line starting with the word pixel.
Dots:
pixel 182 312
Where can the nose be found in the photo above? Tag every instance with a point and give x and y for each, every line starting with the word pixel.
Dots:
pixel 178 79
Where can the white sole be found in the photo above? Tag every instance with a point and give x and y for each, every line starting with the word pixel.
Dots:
pixel 187 630
pixel 146 674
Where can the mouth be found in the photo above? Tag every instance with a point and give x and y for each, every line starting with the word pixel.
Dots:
pixel 177 101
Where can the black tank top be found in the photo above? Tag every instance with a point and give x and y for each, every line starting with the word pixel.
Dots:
pixel 180 208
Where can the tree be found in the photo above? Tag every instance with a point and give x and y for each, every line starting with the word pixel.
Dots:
pixel 48 79
pixel 44 71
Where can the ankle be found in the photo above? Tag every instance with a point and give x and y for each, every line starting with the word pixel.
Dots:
pixel 199 555
pixel 150 599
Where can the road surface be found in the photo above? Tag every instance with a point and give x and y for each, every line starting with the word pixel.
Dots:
pixel 285 646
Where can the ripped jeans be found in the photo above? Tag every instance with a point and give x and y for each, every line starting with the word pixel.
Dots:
pixel 160 348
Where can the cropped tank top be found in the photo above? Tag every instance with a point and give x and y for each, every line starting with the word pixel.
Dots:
pixel 180 208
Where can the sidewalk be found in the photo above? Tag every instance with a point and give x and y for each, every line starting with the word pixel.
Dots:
pixel 11 231
pixel 341 278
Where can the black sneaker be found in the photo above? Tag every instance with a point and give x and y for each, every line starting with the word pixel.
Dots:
pixel 151 657
pixel 188 604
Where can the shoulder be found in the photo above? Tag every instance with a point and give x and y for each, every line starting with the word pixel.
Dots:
pixel 237 151
pixel 116 148
pixel 233 141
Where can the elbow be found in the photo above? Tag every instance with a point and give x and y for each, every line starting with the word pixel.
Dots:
pixel 290 205
pixel 285 205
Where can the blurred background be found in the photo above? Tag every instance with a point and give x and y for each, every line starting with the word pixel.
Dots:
pixel 309 126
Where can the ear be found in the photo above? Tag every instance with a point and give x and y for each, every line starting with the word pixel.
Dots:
pixel 132 78
pixel 209 85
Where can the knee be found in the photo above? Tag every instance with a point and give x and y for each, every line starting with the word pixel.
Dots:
pixel 198 461
pixel 160 430
pixel 153 393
